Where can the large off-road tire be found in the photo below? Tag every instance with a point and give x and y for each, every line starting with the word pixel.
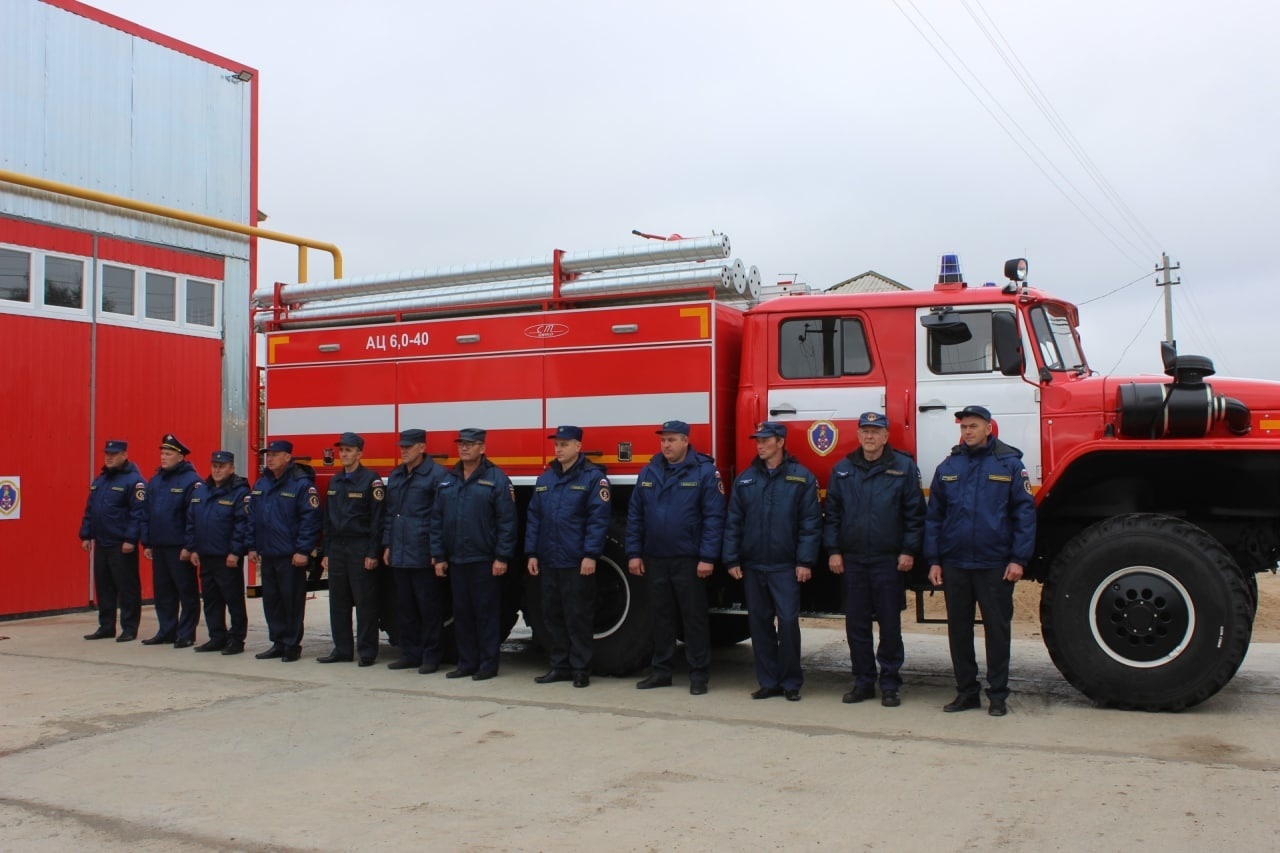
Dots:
pixel 623 635
pixel 1146 611
pixel 623 630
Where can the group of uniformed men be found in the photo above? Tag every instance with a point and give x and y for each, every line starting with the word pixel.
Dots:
pixel 427 522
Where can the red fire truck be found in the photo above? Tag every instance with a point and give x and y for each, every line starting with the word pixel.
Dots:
pixel 1158 496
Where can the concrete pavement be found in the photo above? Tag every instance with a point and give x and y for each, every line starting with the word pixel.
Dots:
pixel 121 746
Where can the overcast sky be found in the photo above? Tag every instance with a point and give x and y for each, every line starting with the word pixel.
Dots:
pixel 825 139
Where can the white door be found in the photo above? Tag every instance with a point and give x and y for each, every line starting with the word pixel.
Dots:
pixel 950 376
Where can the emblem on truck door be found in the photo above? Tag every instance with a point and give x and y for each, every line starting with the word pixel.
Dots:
pixel 822 437
pixel 545 330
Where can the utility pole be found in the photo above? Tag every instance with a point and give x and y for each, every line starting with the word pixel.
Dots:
pixel 1167 284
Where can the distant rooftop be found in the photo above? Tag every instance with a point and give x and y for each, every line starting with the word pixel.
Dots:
pixel 867 282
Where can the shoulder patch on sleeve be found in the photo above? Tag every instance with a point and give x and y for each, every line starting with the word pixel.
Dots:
pixel 378 491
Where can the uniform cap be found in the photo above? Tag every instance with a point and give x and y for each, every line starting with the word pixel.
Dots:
pixel 974 412
pixel 115 445
pixel 471 434
pixel 770 429
pixel 873 419
pixel 278 445
pixel 170 442
pixel 349 439
pixel 223 456
pixel 674 426
pixel 410 437
pixel 567 432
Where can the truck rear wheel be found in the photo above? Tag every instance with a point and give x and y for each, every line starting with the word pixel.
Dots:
pixel 1146 611
pixel 623 635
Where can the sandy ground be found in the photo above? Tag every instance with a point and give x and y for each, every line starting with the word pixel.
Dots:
pixel 121 747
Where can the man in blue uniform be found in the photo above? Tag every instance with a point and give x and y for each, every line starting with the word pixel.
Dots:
pixel 353 516
pixel 406 540
pixel 981 530
pixel 473 541
pixel 565 534
pixel 111 525
pixel 217 537
pixel 675 522
pixel 771 541
pixel 164 539
pixel 284 526
pixel 874 528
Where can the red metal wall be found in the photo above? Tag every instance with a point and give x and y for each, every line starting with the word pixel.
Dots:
pixel 68 386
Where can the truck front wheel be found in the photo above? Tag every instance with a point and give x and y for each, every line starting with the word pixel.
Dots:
pixel 1146 611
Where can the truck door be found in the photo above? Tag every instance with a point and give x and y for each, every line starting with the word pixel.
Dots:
pixel 822 377
pixel 952 374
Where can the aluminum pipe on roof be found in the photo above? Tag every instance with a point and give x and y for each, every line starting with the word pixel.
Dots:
pixel 692 275
pixel 645 254
pixel 458 296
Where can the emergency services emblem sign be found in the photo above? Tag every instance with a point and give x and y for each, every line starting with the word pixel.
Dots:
pixel 10 498
pixel 822 437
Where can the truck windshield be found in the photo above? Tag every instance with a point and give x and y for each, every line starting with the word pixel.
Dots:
pixel 1056 338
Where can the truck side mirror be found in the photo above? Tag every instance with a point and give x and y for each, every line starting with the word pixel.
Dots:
pixel 944 330
pixel 1007 342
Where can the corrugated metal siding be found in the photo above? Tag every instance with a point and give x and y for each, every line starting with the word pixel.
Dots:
pixel 235 360
pixel 92 106
pixel 45 381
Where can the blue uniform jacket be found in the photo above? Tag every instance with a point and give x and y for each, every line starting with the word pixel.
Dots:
pixel 355 507
pixel 874 509
pixel 218 518
pixel 117 504
pixel 677 511
pixel 774 522
pixel 981 514
pixel 169 494
pixel 284 514
pixel 568 516
pixel 407 530
pixel 474 520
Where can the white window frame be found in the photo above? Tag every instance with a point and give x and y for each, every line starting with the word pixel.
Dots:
pixel 36 306
pixel 179 325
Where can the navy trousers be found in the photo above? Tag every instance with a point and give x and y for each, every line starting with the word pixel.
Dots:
pixel 177 594
pixel 875 587
pixel 284 600
pixel 418 606
pixel 770 596
pixel 116 584
pixel 352 585
pixel 477 601
pixel 568 613
pixel 223 589
pixel 675 590
pixel 994 597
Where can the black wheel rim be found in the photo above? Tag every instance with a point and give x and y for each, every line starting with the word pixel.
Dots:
pixel 1142 617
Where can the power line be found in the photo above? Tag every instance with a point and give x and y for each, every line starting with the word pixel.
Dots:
pixel 1041 100
pixel 1117 290
pixel 1002 125
pixel 1141 329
